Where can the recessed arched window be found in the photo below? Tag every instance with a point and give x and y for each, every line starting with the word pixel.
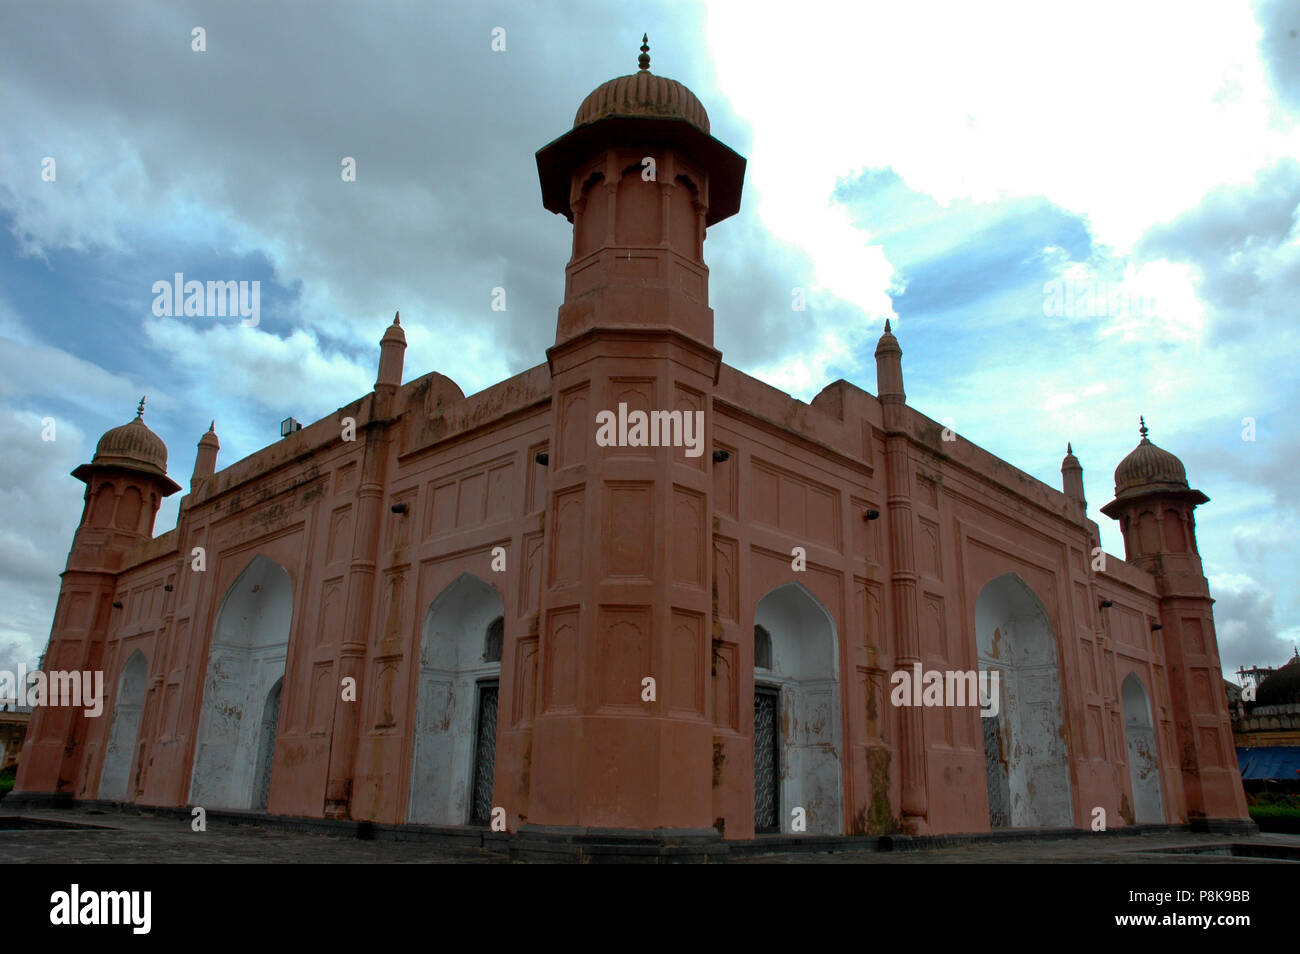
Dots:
pixel 492 645
pixel 762 648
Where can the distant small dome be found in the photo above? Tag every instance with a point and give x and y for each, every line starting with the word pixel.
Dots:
pixel 1149 466
pixel 1282 687
pixel 133 446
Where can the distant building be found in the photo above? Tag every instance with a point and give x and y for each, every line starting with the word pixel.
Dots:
pixel 486 603
pixel 1267 731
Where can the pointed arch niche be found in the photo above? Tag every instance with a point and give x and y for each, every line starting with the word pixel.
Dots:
pixel 456 705
pixel 1024 746
pixel 798 637
pixel 250 641
pixel 1143 755
pixel 128 705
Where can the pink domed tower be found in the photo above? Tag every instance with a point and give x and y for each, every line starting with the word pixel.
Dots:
pixel 641 180
pixel 626 594
pixel 1154 506
pixel 125 483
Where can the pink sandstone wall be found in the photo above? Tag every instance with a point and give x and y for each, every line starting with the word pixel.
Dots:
pixel 798 475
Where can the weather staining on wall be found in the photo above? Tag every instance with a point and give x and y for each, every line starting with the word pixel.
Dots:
pixel 1143 754
pixel 128 705
pixel 797 711
pixel 456 706
pixel 1024 747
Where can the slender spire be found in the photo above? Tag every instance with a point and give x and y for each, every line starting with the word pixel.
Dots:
pixel 397 318
pixel 1072 476
pixel 205 459
pixel 887 331
pixel 139 411
pixel 643 60
pixel 1143 429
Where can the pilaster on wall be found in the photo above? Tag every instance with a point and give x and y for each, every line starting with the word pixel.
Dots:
pixel 903 581
pixel 350 662
pixel 903 578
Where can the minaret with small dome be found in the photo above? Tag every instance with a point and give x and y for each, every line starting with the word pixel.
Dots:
pixel 125 480
pixel 1154 505
pixel 641 179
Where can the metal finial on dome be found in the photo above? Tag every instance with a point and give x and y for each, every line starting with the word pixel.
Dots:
pixel 887 331
pixel 397 318
pixel 139 411
pixel 1069 448
pixel 212 428
pixel 1143 429
pixel 643 60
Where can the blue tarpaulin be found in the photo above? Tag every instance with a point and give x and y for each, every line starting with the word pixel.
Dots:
pixel 1272 762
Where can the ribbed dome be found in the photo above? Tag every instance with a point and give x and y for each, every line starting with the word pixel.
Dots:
pixel 132 446
pixel 1148 465
pixel 642 94
pixel 1282 687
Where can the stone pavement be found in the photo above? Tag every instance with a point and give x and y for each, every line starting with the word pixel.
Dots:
pixel 1161 848
pixel 146 838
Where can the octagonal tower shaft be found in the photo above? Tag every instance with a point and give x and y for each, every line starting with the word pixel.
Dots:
pixel 628 574
pixel 121 503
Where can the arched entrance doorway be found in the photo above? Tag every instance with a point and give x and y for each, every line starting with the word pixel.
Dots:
pixel 456 706
pixel 241 694
pixel 1143 756
pixel 1024 746
pixel 128 705
pixel 266 746
pixel 796 713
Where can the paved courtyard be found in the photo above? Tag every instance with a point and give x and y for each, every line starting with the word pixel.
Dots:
pixel 145 839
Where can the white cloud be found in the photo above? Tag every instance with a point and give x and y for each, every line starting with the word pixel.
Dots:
pixel 1126 113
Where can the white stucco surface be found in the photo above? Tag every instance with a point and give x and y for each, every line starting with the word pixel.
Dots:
pixel 249 644
pixel 805 665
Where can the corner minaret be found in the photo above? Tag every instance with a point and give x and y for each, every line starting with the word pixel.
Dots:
pixel 125 483
pixel 1154 506
pixel 627 587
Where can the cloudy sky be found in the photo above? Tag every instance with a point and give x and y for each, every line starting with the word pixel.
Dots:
pixel 951 166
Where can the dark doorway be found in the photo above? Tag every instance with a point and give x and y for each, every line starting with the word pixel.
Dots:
pixel 995 762
pixel 266 746
pixel 767 774
pixel 485 752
